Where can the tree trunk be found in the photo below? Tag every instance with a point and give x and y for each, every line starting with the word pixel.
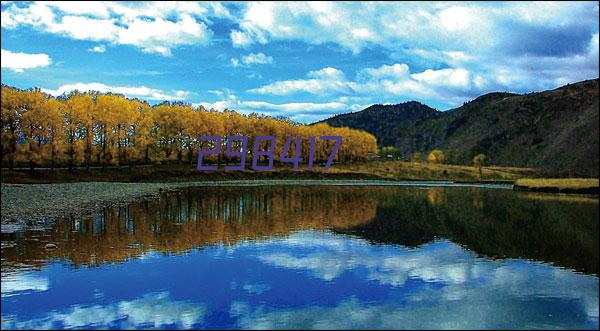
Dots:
pixel 52 156
pixel 88 149
pixel 30 160
pixel 119 151
pixel 191 154
pixel 13 147
pixel 71 149
pixel 125 161
pixel 104 138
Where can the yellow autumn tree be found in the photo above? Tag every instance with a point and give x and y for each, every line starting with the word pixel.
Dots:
pixel 479 161
pixel 436 156
pixel 95 128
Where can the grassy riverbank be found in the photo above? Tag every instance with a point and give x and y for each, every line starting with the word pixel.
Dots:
pixel 399 170
pixel 390 170
pixel 558 185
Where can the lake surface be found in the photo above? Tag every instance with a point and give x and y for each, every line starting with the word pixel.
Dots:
pixel 311 257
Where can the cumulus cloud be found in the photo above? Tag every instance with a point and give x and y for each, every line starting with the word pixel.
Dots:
pixel 258 58
pixel 468 77
pixel 442 54
pixel 18 62
pixel 390 25
pixel 97 49
pixel 387 80
pixel 457 46
pixel 240 39
pixel 326 81
pixel 152 27
pixel 294 107
pixel 142 92
pixel 299 111
pixel 252 58
pixel 452 77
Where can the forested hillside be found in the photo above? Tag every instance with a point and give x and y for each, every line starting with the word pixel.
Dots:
pixel 555 130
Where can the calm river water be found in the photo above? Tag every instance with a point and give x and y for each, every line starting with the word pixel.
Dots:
pixel 311 257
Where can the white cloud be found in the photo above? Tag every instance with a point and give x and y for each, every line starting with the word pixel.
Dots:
pixel 160 35
pixel 395 71
pixel 485 47
pixel 455 51
pixel 449 85
pixel 449 77
pixel 258 58
pixel 457 18
pixel 291 108
pixel 294 107
pixel 98 49
pixel 391 25
pixel 252 58
pixel 299 111
pixel 326 81
pixel 327 73
pixel 217 105
pixel 153 27
pixel 84 28
pixel 240 39
pixel 141 92
pixel 18 62
pixel 452 58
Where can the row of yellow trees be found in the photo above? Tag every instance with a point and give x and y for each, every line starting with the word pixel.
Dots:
pixel 83 129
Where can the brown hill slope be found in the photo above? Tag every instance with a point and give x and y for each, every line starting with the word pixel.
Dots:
pixel 555 130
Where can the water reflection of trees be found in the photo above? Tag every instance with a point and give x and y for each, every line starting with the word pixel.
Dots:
pixel 195 217
pixel 495 223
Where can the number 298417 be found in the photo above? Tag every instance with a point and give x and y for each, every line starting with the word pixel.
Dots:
pixel 240 143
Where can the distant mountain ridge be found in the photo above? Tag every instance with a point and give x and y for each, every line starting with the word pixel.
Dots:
pixel 555 130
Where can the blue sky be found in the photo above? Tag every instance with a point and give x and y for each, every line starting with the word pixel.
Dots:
pixel 306 61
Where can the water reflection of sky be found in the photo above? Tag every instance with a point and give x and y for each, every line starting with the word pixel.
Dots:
pixel 309 279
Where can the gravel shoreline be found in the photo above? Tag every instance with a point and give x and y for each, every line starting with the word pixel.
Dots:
pixel 35 202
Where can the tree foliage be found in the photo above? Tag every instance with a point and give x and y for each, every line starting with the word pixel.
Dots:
pixel 417 157
pixel 479 160
pixel 436 156
pixel 83 129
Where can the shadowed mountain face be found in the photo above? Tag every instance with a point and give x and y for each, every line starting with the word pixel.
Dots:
pixel 389 123
pixel 555 130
